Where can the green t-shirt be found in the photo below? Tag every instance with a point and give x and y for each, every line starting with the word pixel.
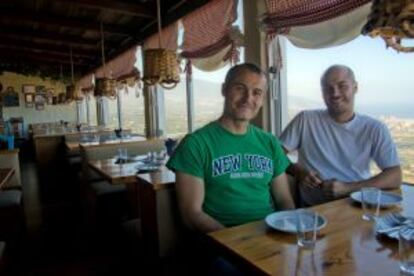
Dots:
pixel 237 170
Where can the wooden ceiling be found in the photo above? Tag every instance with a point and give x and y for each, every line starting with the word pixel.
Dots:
pixel 38 34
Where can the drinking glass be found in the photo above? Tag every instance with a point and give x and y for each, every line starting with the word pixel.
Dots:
pixel 122 155
pixel 406 249
pixel 371 199
pixel 306 226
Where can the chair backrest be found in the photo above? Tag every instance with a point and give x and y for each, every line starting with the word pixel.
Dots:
pixel 10 159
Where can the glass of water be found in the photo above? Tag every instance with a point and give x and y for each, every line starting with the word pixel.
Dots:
pixel 306 226
pixel 122 155
pixel 406 249
pixel 371 201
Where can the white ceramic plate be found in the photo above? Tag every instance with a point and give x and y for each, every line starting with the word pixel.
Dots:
pixel 387 199
pixel 285 221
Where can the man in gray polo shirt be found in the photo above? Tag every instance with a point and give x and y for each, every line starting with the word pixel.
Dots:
pixel 336 145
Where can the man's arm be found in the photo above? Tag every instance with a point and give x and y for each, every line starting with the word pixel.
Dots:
pixel 281 192
pixel 389 178
pixel 190 195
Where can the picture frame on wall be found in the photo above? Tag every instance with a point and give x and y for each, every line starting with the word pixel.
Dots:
pixel 49 96
pixel 40 89
pixel 29 99
pixel 10 97
pixel 40 101
pixel 28 88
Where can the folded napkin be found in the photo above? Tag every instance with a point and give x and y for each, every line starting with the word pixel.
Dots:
pixel 391 223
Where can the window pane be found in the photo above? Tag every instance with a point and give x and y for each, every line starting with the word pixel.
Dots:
pixel 208 101
pixel 176 109
pixel 384 87
pixel 133 110
pixel 92 111
pixel 113 114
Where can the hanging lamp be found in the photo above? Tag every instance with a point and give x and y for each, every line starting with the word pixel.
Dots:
pixel 392 21
pixel 105 86
pixel 72 91
pixel 161 65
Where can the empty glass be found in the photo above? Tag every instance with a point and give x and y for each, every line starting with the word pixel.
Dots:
pixel 306 226
pixel 371 199
pixel 406 249
pixel 122 155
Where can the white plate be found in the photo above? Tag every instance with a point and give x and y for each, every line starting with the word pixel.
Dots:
pixel 285 221
pixel 387 199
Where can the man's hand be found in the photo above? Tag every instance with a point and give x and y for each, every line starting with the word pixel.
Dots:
pixel 310 179
pixel 333 188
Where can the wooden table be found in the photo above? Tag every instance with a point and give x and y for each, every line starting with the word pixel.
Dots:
pixel 5 175
pixel 73 146
pixel 346 246
pixel 156 203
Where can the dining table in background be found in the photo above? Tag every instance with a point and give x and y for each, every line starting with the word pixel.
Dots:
pixel 73 146
pixel 154 196
pixel 347 245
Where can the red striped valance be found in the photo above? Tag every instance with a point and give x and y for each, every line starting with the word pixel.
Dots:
pixel 120 65
pixel 283 14
pixel 169 38
pixel 207 30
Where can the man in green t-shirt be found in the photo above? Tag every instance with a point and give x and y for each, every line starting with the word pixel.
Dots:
pixel 228 172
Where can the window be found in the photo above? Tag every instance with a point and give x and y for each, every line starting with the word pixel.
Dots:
pixel 384 80
pixel 133 113
pixel 208 101
pixel 176 109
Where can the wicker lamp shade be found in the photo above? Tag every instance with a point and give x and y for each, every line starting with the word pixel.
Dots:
pixel 73 93
pixel 130 79
pixel 392 20
pixel 161 66
pixel 105 87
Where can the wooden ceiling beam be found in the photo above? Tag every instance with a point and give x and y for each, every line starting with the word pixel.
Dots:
pixel 16 60
pixel 24 34
pixel 74 23
pixel 63 50
pixel 171 15
pixel 134 9
pixel 21 55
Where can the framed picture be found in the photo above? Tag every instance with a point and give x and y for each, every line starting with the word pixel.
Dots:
pixel 28 88
pixel 40 89
pixel 29 99
pixel 49 96
pixel 40 101
pixel 10 97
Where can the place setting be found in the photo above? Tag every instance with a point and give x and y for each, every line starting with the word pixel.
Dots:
pixel 305 223
pixel 392 224
pixel 153 161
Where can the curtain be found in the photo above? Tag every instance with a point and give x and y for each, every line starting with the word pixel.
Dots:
pixel 85 82
pixel 123 64
pixel 316 23
pixel 208 32
pixel 169 39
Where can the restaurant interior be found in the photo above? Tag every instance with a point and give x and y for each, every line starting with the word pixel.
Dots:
pixel 73 200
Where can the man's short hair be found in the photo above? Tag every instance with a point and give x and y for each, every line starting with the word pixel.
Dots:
pixel 235 70
pixel 348 70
